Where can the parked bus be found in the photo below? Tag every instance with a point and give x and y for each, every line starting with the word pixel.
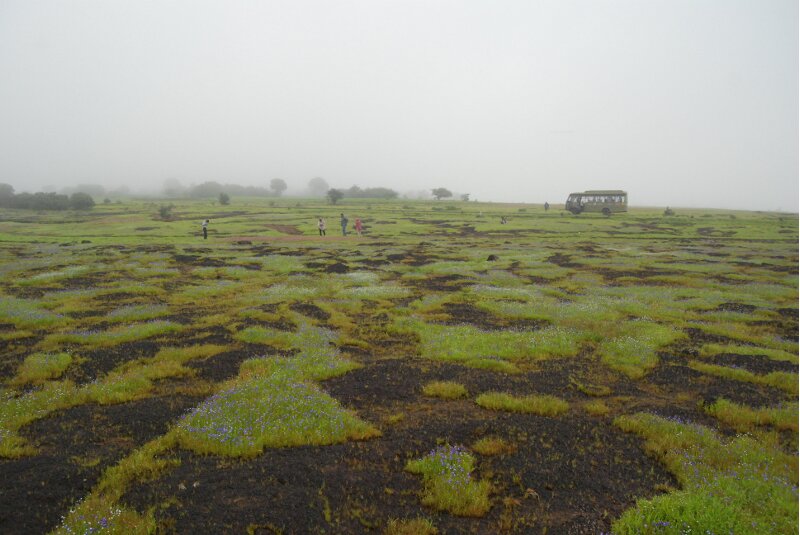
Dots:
pixel 603 201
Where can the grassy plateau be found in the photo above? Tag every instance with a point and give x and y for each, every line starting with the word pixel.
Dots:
pixel 441 373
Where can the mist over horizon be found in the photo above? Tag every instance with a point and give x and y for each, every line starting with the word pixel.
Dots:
pixel 680 103
pixel 157 191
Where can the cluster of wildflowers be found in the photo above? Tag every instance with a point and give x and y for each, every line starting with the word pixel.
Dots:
pixel 27 313
pixel 155 270
pixel 498 276
pixel 84 521
pixel 137 312
pixel 278 293
pixel 362 277
pixel 65 273
pixel 449 485
pixel 210 289
pixel 44 365
pixel 500 292
pixel 282 265
pixel 375 292
pixel 733 485
pixel 16 411
pixel 119 335
pixel 275 405
pixel 450 464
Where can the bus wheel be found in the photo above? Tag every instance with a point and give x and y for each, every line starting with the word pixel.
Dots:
pixel 606 212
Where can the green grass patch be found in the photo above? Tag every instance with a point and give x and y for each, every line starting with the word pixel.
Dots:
pixel 596 407
pixel 734 485
pixel 489 446
pixel 444 389
pixel 745 419
pixel 783 380
pixel 129 313
pixel 709 350
pixel 19 410
pixel 411 526
pixel 449 485
pixel 115 335
pixel 466 344
pixel 634 352
pixel 29 314
pixel 273 404
pixel 265 335
pixel 250 415
pixel 39 367
pixel 542 405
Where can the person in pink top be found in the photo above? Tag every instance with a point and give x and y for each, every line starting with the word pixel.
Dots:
pixel 358 226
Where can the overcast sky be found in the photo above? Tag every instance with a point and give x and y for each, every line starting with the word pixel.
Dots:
pixel 679 102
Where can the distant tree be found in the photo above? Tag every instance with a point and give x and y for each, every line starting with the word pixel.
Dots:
pixel 173 188
pixel 96 190
pixel 6 194
pixel 317 187
pixel 371 193
pixel 278 186
pixel 165 211
pixel 206 189
pixel 334 195
pixel 41 201
pixel 81 201
pixel 465 197
pixel 224 198
pixel 441 193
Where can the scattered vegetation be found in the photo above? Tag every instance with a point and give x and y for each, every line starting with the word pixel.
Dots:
pixel 449 485
pixel 444 389
pixel 542 405
pixel 489 446
pixel 242 343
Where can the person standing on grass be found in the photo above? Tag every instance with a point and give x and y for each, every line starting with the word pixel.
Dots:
pixel 321 226
pixel 358 226
pixel 343 221
pixel 204 224
pixel 546 206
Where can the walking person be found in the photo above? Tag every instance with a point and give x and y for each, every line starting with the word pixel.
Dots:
pixel 358 226
pixel 343 221
pixel 321 226
pixel 204 224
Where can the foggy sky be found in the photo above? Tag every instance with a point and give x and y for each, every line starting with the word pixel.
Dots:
pixel 679 102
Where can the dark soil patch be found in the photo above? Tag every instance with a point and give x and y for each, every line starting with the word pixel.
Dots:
pixel 222 366
pixel 464 313
pixel 736 307
pixel 445 283
pixel 198 261
pixel 582 474
pixel 562 260
pixel 613 274
pixel 292 230
pixel 374 262
pixel 216 335
pixel 75 446
pixel 699 337
pixel 337 267
pixel 101 361
pixel 311 310
pixel 682 379
pixel 754 363
pixel 711 231
pixel 145 228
